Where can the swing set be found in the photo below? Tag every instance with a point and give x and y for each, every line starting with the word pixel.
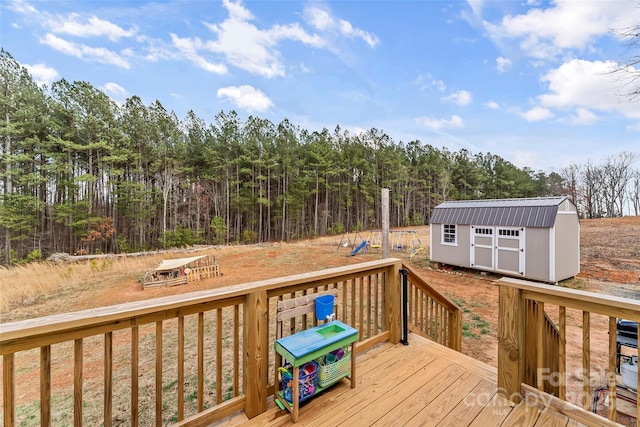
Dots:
pixel 405 242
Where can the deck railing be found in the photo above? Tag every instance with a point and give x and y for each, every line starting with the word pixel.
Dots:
pixel 189 359
pixel 549 348
pixel 431 314
pixel 517 342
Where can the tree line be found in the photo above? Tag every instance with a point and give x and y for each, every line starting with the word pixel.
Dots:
pixel 82 174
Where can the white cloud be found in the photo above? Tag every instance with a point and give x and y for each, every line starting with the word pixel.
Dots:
pixel 82 51
pixel 439 124
pixel 42 74
pixel 524 159
pixel 461 98
pixel 348 30
pixel 476 6
pixel 583 117
pixel 502 64
pixel 75 25
pixel 546 33
pixel 244 45
pixel 319 18
pixel 245 97
pixel 537 114
pixel 322 20
pixel 115 90
pixel 304 68
pixel 189 50
pixel 491 105
pixel 21 6
pixel 424 80
pixel 590 85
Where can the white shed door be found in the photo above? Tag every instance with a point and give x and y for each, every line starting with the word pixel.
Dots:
pixel 482 247
pixel 509 250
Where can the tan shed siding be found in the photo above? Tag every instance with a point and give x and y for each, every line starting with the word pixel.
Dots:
pixel 567 244
pixel 537 254
pixel 484 256
pixel 458 254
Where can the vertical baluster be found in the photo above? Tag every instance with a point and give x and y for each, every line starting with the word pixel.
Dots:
pixel 443 318
pixel 362 304
pixel 180 368
pixel 305 319
pixel 369 306
pixel 586 360
pixel 135 336
pixel 108 378
pixel 236 350
pixel 45 385
pixel 219 355
pixel 77 382
pixel 562 353
pixel 424 317
pixel 345 302
pixel 354 302
pixel 159 373
pixel 612 369
pixel 292 321
pixel 8 389
pixel 539 313
pixel 200 362
pixel 377 306
pixel 431 317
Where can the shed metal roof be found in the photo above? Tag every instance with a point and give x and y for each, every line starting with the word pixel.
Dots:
pixel 531 212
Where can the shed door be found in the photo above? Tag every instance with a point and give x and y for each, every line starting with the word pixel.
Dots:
pixel 482 247
pixel 510 250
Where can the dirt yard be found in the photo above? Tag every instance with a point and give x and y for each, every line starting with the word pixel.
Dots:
pixel 610 263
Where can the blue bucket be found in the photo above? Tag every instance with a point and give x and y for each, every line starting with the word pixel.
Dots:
pixel 324 306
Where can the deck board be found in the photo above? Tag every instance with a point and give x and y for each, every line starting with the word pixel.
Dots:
pixel 422 384
pixel 469 408
pixel 494 413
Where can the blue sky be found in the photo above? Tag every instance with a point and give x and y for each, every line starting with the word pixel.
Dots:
pixel 527 80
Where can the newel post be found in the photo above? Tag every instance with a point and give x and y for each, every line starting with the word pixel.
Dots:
pixel 510 343
pixel 393 302
pixel 256 352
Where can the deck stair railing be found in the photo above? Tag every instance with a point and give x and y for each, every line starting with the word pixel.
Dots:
pixel 431 314
pixel 549 348
pixel 522 329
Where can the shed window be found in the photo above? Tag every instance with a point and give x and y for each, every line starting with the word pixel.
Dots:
pixel 484 231
pixel 449 234
pixel 513 233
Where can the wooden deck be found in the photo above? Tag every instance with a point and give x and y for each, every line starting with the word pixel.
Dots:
pixel 423 384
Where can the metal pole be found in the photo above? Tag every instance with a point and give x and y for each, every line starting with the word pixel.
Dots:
pixel 404 273
pixel 385 223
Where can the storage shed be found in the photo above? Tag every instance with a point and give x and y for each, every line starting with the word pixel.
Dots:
pixel 535 238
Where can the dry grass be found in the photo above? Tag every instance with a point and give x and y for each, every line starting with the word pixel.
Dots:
pixel 22 286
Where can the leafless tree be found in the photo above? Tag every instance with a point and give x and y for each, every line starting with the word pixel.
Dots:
pixel 592 190
pixel 617 174
pixel 629 70
pixel 634 192
pixel 571 177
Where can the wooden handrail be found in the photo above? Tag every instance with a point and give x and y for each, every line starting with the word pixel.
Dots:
pixel 518 350
pixel 608 305
pixel 146 310
pixel 433 315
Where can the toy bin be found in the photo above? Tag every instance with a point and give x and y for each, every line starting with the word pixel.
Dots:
pixel 331 369
pixel 308 381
